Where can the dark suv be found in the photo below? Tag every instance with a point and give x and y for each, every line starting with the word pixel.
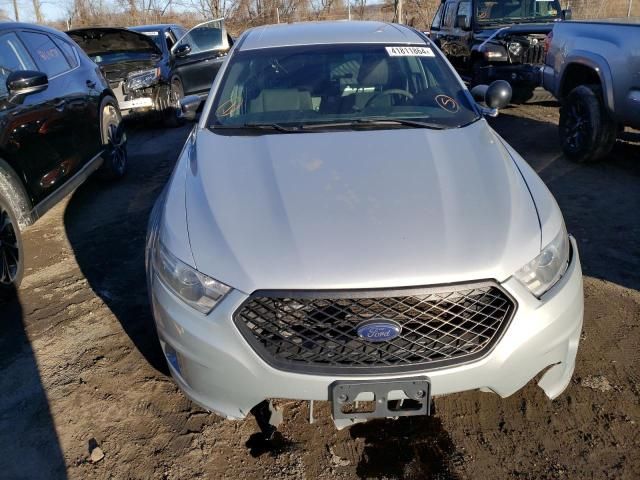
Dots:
pixel 498 40
pixel 59 122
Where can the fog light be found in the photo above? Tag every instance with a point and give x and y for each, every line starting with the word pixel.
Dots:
pixel 172 357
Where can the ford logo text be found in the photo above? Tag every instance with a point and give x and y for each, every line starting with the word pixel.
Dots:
pixel 378 330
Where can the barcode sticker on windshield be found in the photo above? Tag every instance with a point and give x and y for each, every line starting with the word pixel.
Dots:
pixel 410 52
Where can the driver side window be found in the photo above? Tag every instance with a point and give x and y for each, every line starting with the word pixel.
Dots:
pixel 13 58
pixel 206 37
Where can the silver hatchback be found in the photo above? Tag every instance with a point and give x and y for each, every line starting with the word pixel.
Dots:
pixel 344 225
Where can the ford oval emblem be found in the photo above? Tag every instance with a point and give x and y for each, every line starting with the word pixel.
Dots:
pixel 378 330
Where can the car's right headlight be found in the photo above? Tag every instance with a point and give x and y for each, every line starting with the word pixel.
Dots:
pixel 143 79
pixel 544 271
pixel 194 288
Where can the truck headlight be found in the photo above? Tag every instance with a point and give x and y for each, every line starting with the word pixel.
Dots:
pixel 143 79
pixel 515 48
pixel 192 287
pixel 542 273
pixel 494 52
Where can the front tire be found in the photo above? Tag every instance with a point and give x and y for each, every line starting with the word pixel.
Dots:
pixel 587 132
pixel 114 140
pixel 176 93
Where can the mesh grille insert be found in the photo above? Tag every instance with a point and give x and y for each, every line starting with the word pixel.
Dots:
pixel 317 331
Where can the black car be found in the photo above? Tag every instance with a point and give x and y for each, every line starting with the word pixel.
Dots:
pixel 498 40
pixel 151 67
pixel 59 122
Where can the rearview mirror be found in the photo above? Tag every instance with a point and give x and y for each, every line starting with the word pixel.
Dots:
pixel 182 50
pixel 495 96
pixel 25 82
pixel 463 22
pixel 567 14
pixel 189 107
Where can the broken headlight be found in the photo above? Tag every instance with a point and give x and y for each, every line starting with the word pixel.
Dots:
pixel 143 79
pixel 192 287
pixel 544 271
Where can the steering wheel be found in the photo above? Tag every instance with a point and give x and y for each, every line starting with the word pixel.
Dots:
pixel 386 93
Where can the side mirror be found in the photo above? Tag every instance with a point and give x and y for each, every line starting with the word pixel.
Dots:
pixel 567 14
pixel 495 96
pixel 189 107
pixel 25 82
pixel 182 50
pixel 463 22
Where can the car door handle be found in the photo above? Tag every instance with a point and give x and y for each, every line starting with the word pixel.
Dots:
pixel 91 83
pixel 61 105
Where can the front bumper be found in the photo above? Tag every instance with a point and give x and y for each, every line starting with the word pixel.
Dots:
pixel 217 369
pixel 518 75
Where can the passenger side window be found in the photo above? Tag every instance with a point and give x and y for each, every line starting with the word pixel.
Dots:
pixel 68 51
pixel 437 20
pixel 464 8
pixel 13 57
pixel 47 55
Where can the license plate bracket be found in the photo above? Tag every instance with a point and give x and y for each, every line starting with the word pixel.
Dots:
pixel 416 389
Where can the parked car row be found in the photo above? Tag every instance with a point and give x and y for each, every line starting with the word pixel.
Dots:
pixel 590 67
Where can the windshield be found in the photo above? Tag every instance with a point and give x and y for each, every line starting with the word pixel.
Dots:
pixel 513 10
pixel 306 85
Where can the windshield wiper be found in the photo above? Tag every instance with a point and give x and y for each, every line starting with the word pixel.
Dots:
pixel 374 121
pixel 257 126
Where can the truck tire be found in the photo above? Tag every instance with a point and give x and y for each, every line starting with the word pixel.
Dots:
pixel 114 140
pixel 587 132
pixel 13 202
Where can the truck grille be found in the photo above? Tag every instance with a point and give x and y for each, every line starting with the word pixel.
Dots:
pixel 534 54
pixel 316 332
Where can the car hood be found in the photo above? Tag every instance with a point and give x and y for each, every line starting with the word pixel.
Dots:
pixel 358 209
pixel 504 31
pixel 101 41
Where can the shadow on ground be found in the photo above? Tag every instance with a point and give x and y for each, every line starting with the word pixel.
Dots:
pixel 29 445
pixel 106 224
pixel 600 202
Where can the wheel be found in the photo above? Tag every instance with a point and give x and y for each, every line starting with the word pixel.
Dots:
pixel 587 132
pixel 114 140
pixel 176 93
pixel 11 249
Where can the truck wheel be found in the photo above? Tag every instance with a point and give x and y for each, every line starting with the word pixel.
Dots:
pixel 587 132
pixel 11 248
pixel 114 140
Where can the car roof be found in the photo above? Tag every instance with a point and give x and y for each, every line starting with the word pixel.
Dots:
pixel 333 32
pixel 11 25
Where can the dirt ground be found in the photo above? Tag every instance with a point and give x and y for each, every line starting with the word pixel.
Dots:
pixel 81 367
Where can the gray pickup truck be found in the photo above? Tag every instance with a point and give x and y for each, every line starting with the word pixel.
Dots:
pixel 593 69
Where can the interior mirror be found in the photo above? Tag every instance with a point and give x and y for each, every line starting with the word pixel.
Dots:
pixel 189 107
pixel 463 22
pixel 182 50
pixel 24 82
pixel 495 96
pixel 566 14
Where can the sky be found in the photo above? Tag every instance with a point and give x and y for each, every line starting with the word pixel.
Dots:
pixel 51 9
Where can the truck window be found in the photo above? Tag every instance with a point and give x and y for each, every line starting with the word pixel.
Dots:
pixel 437 19
pixel 464 8
pixel 450 14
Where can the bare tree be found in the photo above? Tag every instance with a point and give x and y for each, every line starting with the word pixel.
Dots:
pixel 37 11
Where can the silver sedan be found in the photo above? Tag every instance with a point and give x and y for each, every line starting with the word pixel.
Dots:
pixel 344 225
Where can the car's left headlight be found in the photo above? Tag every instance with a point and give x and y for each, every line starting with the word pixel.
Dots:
pixel 194 288
pixel 143 79
pixel 544 271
